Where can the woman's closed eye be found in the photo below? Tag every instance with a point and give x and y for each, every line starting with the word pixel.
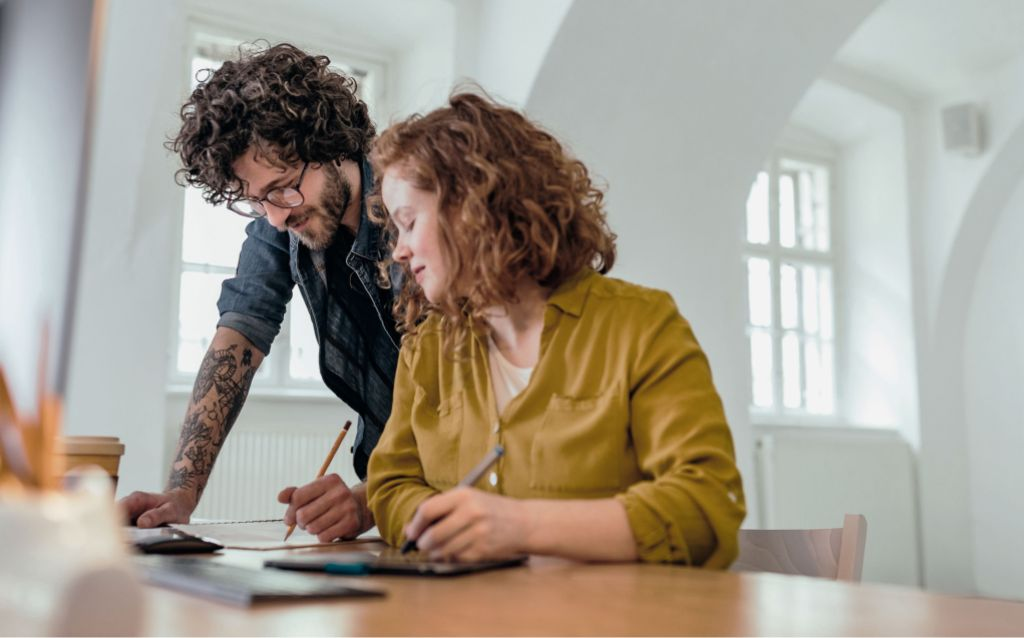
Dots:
pixel 405 222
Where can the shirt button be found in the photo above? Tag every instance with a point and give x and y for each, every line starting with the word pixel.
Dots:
pixel 493 478
pixel 497 426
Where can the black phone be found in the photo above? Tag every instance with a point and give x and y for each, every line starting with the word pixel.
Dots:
pixel 171 541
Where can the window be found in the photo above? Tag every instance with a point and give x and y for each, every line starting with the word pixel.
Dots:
pixel 211 239
pixel 790 290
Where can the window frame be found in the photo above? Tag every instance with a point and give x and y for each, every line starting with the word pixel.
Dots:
pixel 776 255
pixel 210 36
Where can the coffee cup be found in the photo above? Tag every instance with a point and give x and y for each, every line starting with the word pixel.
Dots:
pixel 102 451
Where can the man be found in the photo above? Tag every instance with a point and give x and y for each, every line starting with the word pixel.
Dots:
pixel 281 138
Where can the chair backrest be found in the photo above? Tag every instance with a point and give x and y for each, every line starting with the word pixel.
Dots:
pixel 836 553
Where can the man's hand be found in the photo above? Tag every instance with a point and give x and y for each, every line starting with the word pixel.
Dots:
pixel 327 508
pixel 466 524
pixel 152 509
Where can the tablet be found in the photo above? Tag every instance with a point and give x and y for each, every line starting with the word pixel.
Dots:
pixel 389 561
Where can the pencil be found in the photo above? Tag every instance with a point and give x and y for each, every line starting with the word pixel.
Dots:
pixel 327 463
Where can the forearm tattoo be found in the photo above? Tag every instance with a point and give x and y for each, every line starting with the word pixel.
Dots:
pixel 217 398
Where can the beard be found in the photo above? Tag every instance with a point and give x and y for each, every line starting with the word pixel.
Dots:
pixel 323 218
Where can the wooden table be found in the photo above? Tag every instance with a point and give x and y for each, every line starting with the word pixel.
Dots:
pixel 555 597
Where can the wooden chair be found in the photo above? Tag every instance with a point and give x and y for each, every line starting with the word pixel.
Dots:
pixel 836 553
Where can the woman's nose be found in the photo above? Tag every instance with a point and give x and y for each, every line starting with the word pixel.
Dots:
pixel 401 252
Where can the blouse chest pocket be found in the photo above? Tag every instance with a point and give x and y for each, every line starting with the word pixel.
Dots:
pixel 437 429
pixel 581 444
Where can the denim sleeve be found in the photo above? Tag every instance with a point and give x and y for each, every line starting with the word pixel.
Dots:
pixel 253 301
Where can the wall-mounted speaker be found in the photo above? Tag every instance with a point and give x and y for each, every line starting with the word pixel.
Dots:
pixel 963 129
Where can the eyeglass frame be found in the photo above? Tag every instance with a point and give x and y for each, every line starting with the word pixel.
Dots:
pixel 257 204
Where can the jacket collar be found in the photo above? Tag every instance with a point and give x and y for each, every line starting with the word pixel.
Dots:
pixel 571 296
pixel 367 243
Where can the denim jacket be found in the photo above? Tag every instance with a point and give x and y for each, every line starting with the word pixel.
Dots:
pixel 351 314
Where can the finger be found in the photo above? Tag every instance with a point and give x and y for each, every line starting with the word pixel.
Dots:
pixel 324 511
pixel 437 536
pixel 285 495
pixel 158 516
pixel 138 502
pixel 459 547
pixel 315 489
pixel 347 527
pixel 429 511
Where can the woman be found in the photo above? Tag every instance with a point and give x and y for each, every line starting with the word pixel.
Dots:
pixel 616 445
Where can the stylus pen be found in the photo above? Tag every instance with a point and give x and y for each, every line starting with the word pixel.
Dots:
pixel 471 479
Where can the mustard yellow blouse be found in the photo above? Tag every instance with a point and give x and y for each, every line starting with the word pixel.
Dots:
pixel 620 404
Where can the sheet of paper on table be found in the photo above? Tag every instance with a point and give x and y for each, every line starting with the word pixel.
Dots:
pixel 254 535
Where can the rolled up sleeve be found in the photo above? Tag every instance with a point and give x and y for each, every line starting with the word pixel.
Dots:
pixel 396 484
pixel 691 509
pixel 253 302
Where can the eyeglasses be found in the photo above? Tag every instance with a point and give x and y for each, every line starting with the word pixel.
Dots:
pixel 284 197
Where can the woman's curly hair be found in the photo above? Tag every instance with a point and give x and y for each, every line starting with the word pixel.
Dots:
pixel 286 102
pixel 513 206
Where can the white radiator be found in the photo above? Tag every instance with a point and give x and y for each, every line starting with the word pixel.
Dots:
pixel 253 466
pixel 809 477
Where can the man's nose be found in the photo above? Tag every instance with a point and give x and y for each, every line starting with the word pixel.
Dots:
pixel 277 216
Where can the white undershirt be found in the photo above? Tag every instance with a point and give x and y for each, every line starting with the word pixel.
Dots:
pixel 507 380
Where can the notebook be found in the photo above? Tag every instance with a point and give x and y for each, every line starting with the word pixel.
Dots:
pixel 388 561
pixel 257 535
pixel 241 586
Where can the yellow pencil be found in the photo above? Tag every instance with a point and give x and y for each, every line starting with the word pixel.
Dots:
pixel 327 463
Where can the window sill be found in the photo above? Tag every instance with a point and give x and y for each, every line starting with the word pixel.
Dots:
pixel 278 395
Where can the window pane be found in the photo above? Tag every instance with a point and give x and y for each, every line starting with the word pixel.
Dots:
pixel 791 391
pixel 823 205
pixel 818 358
pixel 200 63
pixel 757 211
pixel 809 292
pixel 304 363
pixel 811 203
pixel 759 291
pixel 828 380
pixel 761 367
pixel 211 234
pixel 788 304
pixel 812 364
pixel 787 211
pixel 825 300
pixel 197 317
pixel 806 192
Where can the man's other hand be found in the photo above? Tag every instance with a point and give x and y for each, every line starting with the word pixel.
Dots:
pixel 152 509
pixel 326 508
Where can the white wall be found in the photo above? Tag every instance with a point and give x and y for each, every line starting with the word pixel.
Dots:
pixel 134 210
pixel 967 195
pixel 994 376
pixel 44 48
pixel 676 105
pixel 511 41
pixel 880 371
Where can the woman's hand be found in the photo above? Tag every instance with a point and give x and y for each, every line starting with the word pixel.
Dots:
pixel 466 524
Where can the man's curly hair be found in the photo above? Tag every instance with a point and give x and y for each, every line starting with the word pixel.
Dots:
pixel 514 205
pixel 286 102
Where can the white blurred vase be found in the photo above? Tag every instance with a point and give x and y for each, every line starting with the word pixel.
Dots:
pixel 64 569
